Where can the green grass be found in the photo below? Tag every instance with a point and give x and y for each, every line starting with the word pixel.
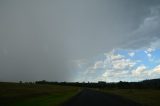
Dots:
pixel 13 94
pixel 149 97
pixel 51 100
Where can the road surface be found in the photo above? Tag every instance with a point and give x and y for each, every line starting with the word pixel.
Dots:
pixel 89 97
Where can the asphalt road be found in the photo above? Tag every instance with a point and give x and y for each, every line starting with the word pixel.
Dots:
pixel 89 97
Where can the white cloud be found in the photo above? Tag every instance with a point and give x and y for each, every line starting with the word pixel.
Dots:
pixel 122 64
pixel 131 54
pixel 98 65
pixel 111 55
pixel 156 70
pixel 118 62
pixel 125 75
pixel 139 73
pixel 139 70
pixel 116 57
pixel 149 53
pixel 116 67
pixel 150 50
pixel 111 74
pixel 124 69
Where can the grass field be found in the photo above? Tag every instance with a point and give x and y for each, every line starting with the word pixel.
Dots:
pixel 14 94
pixel 147 97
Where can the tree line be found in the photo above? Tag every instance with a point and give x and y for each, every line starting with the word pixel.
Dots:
pixel 152 83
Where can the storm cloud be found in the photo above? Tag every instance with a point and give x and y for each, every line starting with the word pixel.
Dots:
pixel 41 39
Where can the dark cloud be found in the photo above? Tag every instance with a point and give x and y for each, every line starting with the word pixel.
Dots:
pixel 148 31
pixel 40 39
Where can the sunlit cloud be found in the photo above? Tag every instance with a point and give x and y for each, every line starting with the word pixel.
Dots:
pixel 118 65
pixel 131 54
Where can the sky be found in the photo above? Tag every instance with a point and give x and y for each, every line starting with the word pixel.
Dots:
pixel 79 40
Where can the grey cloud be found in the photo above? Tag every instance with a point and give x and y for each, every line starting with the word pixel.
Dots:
pixel 147 33
pixel 39 39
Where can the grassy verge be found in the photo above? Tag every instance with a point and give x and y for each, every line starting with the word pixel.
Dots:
pixel 12 94
pixel 51 100
pixel 147 97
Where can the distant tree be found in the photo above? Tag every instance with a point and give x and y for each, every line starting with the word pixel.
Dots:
pixel 20 82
